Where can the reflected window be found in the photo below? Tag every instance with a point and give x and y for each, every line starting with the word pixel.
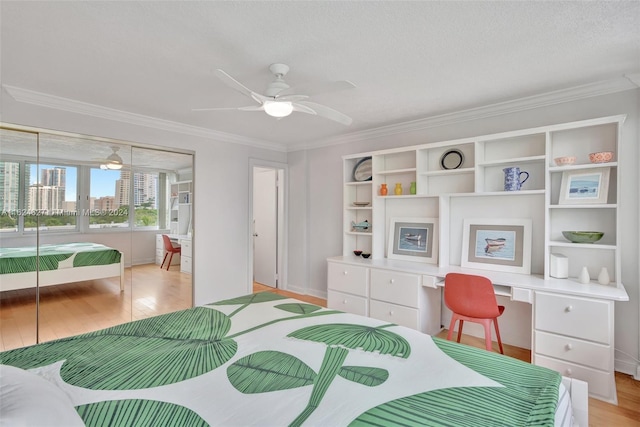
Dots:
pixel 50 197
pixel 9 196
pixel 109 198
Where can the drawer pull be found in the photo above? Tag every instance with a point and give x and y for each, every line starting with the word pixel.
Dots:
pixel 391 313
pixel 345 272
pixel 391 281
pixel 569 308
pixel 568 347
pixel 568 371
pixel 344 301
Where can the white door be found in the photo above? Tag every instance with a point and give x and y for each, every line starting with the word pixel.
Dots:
pixel 265 229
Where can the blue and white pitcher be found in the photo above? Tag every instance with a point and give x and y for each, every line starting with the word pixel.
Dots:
pixel 512 180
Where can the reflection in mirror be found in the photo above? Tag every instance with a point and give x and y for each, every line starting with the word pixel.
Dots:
pixel 162 202
pixel 18 278
pixel 91 216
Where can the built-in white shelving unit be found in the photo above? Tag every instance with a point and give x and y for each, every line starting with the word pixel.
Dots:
pixel 566 314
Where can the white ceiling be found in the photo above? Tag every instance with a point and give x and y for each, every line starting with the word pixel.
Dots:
pixel 409 60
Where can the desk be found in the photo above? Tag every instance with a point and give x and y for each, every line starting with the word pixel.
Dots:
pixel 186 257
pixel 572 328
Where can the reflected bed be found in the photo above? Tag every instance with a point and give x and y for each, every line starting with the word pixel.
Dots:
pixel 57 264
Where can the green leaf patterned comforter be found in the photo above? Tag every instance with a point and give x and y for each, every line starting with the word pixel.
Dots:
pixel 50 257
pixel 265 360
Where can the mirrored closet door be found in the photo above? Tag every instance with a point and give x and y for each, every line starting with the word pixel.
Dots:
pixel 81 221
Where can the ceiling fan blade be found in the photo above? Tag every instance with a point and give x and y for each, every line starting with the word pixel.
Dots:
pixel 248 108
pixel 324 111
pixel 317 89
pixel 236 85
pixel 292 98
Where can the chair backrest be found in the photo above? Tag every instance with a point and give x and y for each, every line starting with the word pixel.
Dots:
pixel 168 246
pixel 470 295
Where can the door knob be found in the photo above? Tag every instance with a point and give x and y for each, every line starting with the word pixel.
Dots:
pixel 255 234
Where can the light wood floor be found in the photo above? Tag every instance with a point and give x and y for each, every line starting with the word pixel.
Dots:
pixel 626 414
pixel 76 308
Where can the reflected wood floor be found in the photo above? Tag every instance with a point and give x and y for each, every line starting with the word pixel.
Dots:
pixel 626 414
pixel 75 308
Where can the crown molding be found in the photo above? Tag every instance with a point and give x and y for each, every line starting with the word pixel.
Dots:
pixel 59 103
pixel 628 82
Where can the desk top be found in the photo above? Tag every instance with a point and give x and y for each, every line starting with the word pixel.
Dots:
pixel 571 286
pixel 179 236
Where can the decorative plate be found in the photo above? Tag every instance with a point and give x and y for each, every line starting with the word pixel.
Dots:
pixel 362 170
pixel 361 204
pixel 452 159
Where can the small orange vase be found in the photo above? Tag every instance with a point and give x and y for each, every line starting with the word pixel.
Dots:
pixel 383 189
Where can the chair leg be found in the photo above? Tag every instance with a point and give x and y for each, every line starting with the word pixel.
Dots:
pixel 452 325
pixel 460 329
pixel 164 259
pixel 170 258
pixel 487 334
pixel 495 323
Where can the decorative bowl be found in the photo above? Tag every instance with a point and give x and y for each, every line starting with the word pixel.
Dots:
pixel 565 161
pixel 361 204
pixel 583 236
pixel 357 252
pixel 601 157
pixel 366 255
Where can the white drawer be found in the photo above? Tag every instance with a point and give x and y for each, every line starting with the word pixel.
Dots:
pixel 600 383
pixel 345 302
pixel 347 278
pixel 397 314
pixel 398 288
pixel 574 350
pixel 185 247
pixel 577 317
pixel 186 265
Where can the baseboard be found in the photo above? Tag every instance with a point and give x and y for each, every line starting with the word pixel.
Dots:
pixel 303 291
pixel 628 367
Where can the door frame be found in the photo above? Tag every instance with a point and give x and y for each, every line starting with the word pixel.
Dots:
pixel 283 198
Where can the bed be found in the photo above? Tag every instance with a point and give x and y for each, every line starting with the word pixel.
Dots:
pixel 57 264
pixel 267 360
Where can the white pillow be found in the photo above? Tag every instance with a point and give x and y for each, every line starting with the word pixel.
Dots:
pixel 29 400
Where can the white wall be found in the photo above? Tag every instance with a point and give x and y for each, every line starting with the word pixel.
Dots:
pixel 221 176
pixel 322 196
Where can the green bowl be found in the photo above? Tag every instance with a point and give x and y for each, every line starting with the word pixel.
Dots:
pixel 583 236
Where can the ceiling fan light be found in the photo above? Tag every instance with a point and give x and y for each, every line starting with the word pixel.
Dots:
pixel 114 166
pixel 278 108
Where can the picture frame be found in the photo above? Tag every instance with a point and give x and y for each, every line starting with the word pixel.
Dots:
pixel 497 245
pixel 584 186
pixel 413 239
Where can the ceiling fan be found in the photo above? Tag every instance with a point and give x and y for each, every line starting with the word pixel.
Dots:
pixel 279 100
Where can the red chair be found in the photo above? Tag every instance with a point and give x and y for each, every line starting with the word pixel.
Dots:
pixel 169 249
pixel 472 298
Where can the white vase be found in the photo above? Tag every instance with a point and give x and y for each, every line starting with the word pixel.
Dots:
pixel 584 276
pixel 603 277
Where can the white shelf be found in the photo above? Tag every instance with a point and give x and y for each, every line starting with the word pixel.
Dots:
pixel 446 172
pixel 557 243
pixel 517 160
pixel 582 166
pixel 600 206
pixel 396 171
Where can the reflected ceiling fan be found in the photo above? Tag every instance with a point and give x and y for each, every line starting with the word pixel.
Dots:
pixel 113 160
pixel 279 100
